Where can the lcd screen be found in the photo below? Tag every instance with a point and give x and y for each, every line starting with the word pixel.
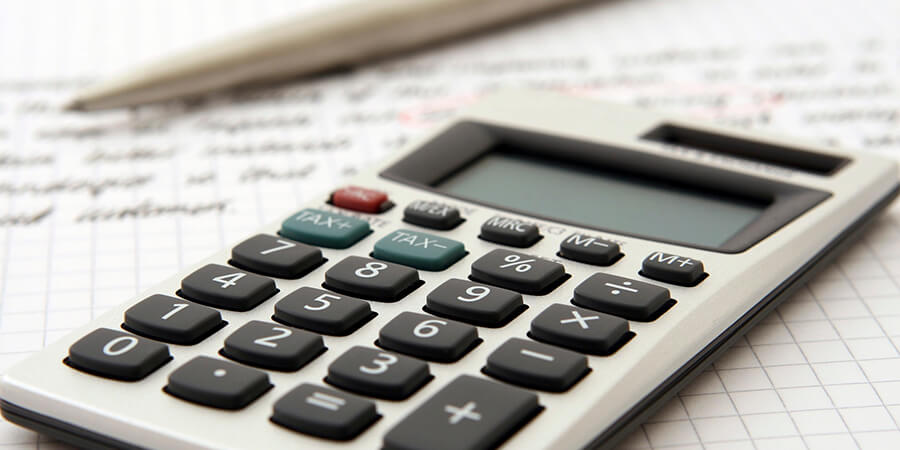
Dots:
pixel 602 199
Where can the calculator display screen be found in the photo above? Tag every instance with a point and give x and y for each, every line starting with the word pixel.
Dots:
pixel 602 199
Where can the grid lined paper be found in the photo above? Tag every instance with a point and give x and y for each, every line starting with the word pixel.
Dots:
pixel 95 209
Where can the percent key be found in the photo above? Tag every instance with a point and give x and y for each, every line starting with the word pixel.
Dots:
pixel 517 271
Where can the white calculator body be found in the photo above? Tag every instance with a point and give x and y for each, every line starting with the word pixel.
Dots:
pixel 543 272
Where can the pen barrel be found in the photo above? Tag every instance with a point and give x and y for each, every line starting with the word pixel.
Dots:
pixel 345 35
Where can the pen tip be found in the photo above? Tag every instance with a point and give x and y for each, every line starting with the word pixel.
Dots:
pixel 74 105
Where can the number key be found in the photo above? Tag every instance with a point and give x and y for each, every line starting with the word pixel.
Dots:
pixel 428 338
pixel 114 354
pixel 369 371
pixel 172 320
pixel 275 256
pixel 322 311
pixel 371 279
pixel 474 303
pixel 272 346
pixel 226 287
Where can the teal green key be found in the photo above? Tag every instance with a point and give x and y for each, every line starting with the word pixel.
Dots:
pixel 325 229
pixel 420 250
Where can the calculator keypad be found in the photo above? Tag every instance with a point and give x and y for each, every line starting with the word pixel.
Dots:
pixel 371 279
pixel 420 250
pixel 276 257
pixel 272 346
pixel 469 412
pixel 324 412
pixel 517 271
pixel 474 303
pixel 217 383
pixel 226 287
pixel 623 297
pixel 536 365
pixel 114 354
pixel 427 337
pixel 509 231
pixel 376 373
pixel 673 269
pixel 324 229
pixel 322 311
pixel 172 320
pixel 579 329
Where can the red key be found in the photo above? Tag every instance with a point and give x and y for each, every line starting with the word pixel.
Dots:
pixel 360 199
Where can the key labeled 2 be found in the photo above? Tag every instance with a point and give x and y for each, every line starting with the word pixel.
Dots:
pixel 272 346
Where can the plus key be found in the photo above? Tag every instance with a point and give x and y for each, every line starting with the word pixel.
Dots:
pixel 469 413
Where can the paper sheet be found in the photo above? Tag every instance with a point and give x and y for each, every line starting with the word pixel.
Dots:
pixel 95 208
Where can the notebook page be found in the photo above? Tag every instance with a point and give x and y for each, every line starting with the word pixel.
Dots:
pixel 95 208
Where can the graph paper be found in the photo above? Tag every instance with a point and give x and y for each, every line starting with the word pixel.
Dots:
pixel 96 208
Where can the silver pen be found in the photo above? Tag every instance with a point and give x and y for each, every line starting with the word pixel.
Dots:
pixel 347 34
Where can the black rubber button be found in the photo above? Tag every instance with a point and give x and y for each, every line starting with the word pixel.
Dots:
pixel 118 355
pixel 433 215
pixel 226 287
pixel 468 413
pixel 624 297
pixel 173 320
pixel 517 271
pixel 580 329
pixel 474 303
pixel 371 279
pixel 673 269
pixel 217 383
pixel 272 346
pixel 589 249
pixel 509 231
pixel 276 256
pixel 376 373
pixel 322 311
pixel 535 365
pixel 323 412
pixel 428 337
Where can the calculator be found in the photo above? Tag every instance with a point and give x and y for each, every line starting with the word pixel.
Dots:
pixel 542 272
